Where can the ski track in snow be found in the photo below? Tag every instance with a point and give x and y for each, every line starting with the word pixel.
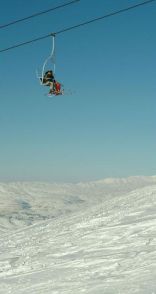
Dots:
pixel 101 245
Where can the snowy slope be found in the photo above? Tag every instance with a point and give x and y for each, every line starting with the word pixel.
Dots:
pixel 23 204
pixel 102 241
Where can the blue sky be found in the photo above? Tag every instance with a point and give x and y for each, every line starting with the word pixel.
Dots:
pixel 106 128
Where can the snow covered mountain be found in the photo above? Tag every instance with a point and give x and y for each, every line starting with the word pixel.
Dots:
pixel 23 204
pixel 97 237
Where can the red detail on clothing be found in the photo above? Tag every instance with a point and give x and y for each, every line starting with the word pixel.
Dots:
pixel 57 87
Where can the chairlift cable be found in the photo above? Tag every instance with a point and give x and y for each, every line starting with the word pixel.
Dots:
pixel 37 14
pixel 78 25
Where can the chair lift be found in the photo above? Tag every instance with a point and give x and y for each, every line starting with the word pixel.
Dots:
pixel 56 86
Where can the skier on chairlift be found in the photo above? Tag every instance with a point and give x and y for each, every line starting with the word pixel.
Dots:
pixel 49 80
